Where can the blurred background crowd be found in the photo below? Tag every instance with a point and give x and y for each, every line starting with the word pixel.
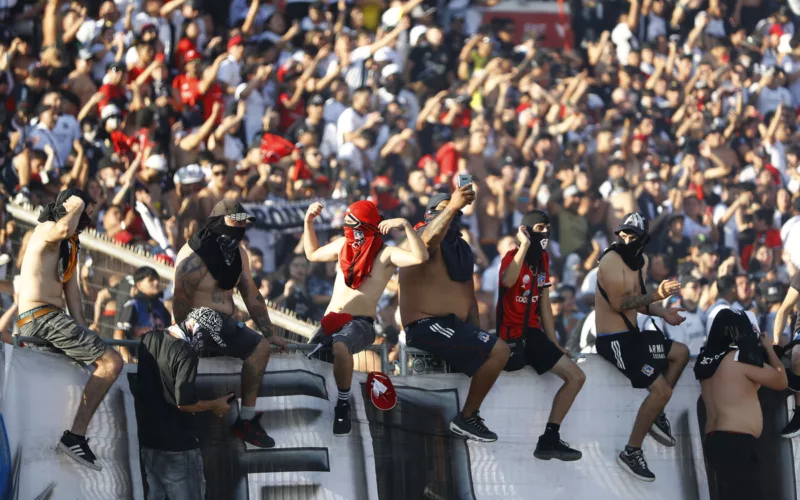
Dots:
pixel 683 110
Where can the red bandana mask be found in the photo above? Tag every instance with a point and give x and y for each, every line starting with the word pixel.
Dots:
pixel 363 243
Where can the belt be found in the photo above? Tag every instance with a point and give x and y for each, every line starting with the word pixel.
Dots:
pixel 33 314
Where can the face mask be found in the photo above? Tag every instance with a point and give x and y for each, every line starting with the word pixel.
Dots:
pixel 112 123
pixel 538 245
pixel 229 238
pixel 454 231
pixel 394 86
pixel 89 136
pixel 632 253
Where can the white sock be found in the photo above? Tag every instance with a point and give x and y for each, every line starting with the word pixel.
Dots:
pixel 247 412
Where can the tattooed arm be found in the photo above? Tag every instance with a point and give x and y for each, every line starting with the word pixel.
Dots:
pixel 255 303
pixel 188 274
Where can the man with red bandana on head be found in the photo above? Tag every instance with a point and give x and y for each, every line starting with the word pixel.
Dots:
pixel 365 267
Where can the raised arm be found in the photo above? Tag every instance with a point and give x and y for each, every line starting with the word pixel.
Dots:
pixel 771 375
pixel 315 253
pixel 789 302
pixel 66 226
pixel 188 274
pixel 511 274
pixel 414 255
pixel 434 231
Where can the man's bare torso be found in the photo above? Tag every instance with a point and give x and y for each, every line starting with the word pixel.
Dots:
pixel 608 320
pixel 207 293
pixel 427 291
pixel 39 272
pixel 731 400
pixel 364 300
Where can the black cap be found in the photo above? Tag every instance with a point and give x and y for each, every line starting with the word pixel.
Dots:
pixel 316 100
pixel 634 222
pixel 771 291
pixel 233 210
pixel 434 201
pixel 116 66
pixel 796 204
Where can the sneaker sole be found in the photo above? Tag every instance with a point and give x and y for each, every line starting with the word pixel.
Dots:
pixel 343 433
pixel 627 469
pixel 263 447
pixel 65 450
pixel 460 432
pixel 558 456
pixel 791 434
pixel 662 438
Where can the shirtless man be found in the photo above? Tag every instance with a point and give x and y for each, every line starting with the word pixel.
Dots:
pixel 208 267
pixel 792 429
pixel 50 268
pixel 647 358
pixel 365 267
pixel 440 313
pixel 731 369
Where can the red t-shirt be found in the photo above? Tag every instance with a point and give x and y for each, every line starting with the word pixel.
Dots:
pixel 112 94
pixel 134 73
pixel 771 239
pixel 289 115
pixel 213 95
pixel 512 302
pixel 121 142
pixel 447 157
pixel 188 87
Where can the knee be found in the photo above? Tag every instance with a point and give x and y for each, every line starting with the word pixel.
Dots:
pixel 111 361
pixel 576 377
pixel 501 350
pixel 679 352
pixel 261 352
pixel 341 351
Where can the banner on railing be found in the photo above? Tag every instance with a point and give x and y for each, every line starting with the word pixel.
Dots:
pixel 402 454
pixel 287 217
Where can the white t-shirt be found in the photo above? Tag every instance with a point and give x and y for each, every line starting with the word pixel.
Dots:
pixel 777 156
pixel 624 40
pixel 257 104
pixel 66 130
pixel 692 228
pixel 349 152
pixel 411 102
pixel 731 230
pixel 348 121
pixel 354 76
pixel 333 110
pixel 789 66
pixel 230 73
pixel 691 332
pixel 164 32
pixel 40 136
pixel 790 235
pixel 656 27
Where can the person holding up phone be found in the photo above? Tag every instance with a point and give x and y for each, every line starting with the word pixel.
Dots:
pixel 165 399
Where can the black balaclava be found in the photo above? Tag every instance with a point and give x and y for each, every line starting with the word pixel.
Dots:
pixel 632 253
pixel 218 244
pixel 456 252
pixel 538 240
pixel 730 330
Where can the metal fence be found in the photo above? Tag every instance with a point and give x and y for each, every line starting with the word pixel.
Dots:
pixel 105 263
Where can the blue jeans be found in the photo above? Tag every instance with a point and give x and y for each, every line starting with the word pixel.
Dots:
pixel 177 475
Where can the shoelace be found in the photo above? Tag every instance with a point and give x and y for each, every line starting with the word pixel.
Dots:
pixel 564 443
pixel 477 421
pixel 638 457
pixel 663 422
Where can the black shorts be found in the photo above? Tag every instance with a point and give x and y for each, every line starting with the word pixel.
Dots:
pixel 732 465
pixel 535 349
pixel 357 334
pixel 240 340
pixel 640 356
pixel 466 347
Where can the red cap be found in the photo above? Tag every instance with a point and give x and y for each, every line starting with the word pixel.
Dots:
pixel 776 29
pixel 191 55
pixel 424 160
pixel 381 391
pixel 160 57
pixel 237 40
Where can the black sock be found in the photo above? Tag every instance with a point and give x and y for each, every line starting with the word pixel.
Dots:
pixel 551 430
pixel 630 449
pixel 76 436
pixel 344 396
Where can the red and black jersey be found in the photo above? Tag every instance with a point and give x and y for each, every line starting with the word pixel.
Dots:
pixel 513 301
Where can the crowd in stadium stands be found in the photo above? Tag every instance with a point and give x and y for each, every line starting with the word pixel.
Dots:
pixel 685 111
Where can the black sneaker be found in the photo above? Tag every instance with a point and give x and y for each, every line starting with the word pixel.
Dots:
pixel 250 431
pixel 792 429
pixel 635 465
pixel 548 448
pixel 661 431
pixel 78 449
pixel 341 420
pixel 472 428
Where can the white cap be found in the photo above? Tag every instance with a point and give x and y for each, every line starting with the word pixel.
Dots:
pixel 110 110
pixel 392 16
pixel 384 54
pixel 390 69
pixel 190 174
pixel 157 163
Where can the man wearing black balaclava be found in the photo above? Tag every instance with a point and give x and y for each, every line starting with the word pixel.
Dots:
pixel 525 321
pixel 207 270
pixel 440 312
pixel 731 368
pixel 48 270
pixel 648 359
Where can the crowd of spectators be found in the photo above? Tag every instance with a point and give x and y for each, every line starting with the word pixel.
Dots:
pixel 685 111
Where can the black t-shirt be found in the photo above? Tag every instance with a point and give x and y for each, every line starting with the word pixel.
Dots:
pixel 796 285
pixel 302 125
pixel 165 379
pixel 675 251
pixel 431 65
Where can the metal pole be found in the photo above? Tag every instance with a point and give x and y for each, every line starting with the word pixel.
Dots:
pixel 385 358
pixel 402 358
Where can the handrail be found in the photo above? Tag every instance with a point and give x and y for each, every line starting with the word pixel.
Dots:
pixel 99 242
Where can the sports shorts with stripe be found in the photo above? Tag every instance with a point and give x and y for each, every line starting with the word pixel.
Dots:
pixel 640 356
pixel 463 346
